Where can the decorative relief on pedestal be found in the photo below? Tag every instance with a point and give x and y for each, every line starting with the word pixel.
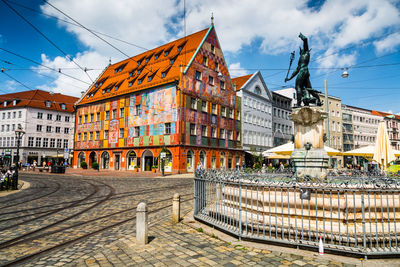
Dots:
pixel 309 157
pixel 307 116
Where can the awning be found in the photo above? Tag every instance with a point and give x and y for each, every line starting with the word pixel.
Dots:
pixel 277 156
pixel 287 149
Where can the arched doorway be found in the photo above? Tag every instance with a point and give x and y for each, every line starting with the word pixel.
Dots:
pixel 92 158
pixel 222 161
pixel 131 159
pixel 167 160
pixel 147 160
pixel 189 161
pixel 105 160
pixel 202 159
pixel 81 158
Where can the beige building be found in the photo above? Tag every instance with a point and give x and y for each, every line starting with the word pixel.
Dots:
pixel 334 132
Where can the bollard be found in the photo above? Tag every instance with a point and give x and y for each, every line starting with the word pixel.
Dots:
pixel 141 224
pixel 176 208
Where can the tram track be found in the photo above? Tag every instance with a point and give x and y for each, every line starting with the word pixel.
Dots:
pixel 16 203
pixel 49 212
pixel 45 251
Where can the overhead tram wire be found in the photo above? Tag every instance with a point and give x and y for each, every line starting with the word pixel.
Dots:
pixel 44 36
pixel 74 24
pixel 11 77
pixel 116 48
pixel 40 64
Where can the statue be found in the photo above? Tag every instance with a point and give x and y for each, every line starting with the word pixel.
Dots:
pixel 304 91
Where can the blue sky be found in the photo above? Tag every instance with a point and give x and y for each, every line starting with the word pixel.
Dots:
pixel 363 36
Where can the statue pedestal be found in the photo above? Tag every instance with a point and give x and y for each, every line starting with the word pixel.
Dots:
pixel 309 156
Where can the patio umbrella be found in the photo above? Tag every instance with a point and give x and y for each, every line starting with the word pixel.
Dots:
pixel 383 153
pixel 277 156
pixel 287 149
pixel 366 152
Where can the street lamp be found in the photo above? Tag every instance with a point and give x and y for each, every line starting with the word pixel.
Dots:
pixel 18 135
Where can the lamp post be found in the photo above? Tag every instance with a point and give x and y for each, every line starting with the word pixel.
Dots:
pixel 18 135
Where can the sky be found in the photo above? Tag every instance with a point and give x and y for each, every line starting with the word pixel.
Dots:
pixel 46 45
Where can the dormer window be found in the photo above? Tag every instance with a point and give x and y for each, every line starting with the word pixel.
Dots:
pixel 130 84
pixel 140 81
pixel 120 68
pixel 48 104
pixel 139 71
pixel 150 78
pixel 166 53
pixel 180 48
pixel 117 86
pixel 5 103
pixel 157 56
pixel 131 73
pixel 14 102
pixel 163 74
pixel 171 61
pixel 147 60
pixel 87 96
pixel 139 62
pixel 104 91
pixel 63 106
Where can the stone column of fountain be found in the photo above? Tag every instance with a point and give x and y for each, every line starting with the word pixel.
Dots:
pixel 309 156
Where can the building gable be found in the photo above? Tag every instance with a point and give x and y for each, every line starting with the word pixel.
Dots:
pixel 207 73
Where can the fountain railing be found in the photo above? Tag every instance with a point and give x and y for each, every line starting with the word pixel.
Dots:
pixel 358 215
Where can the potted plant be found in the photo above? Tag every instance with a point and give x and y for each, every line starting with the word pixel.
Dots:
pixel 136 168
pixel 154 168
pixel 95 165
pixel 83 165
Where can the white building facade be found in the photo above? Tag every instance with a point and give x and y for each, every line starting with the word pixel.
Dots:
pixel 365 126
pixel 256 104
pixel 48 122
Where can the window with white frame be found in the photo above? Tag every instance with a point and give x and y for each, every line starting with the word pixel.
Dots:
pixel 192 129
pixel 30 141
pixel 193 103
pixel 45 142
pixel 59 143
pixel 38 142
pixel 167 128
pixel 65 143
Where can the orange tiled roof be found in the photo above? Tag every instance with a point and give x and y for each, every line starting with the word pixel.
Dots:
pixel 157 66
pixel 37 99
pixel 240 81
pixel 384 114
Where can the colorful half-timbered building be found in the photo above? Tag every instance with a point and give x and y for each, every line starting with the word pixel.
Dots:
pixel 175 101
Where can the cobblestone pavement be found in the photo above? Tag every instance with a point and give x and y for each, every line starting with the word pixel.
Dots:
pixel 188 243
pixel 81 214
pixel 184 245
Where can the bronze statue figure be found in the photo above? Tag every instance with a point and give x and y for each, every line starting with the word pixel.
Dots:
pixel 304 91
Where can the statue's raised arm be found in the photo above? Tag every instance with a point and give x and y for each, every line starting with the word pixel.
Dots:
pixel 305 93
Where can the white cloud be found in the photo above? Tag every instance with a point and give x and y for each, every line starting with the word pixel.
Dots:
pixel 274 24
pixel 388 44
pixel 11 86
pixel 64 83
pixel 235 70
pixel 337 24
pixel 329 60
